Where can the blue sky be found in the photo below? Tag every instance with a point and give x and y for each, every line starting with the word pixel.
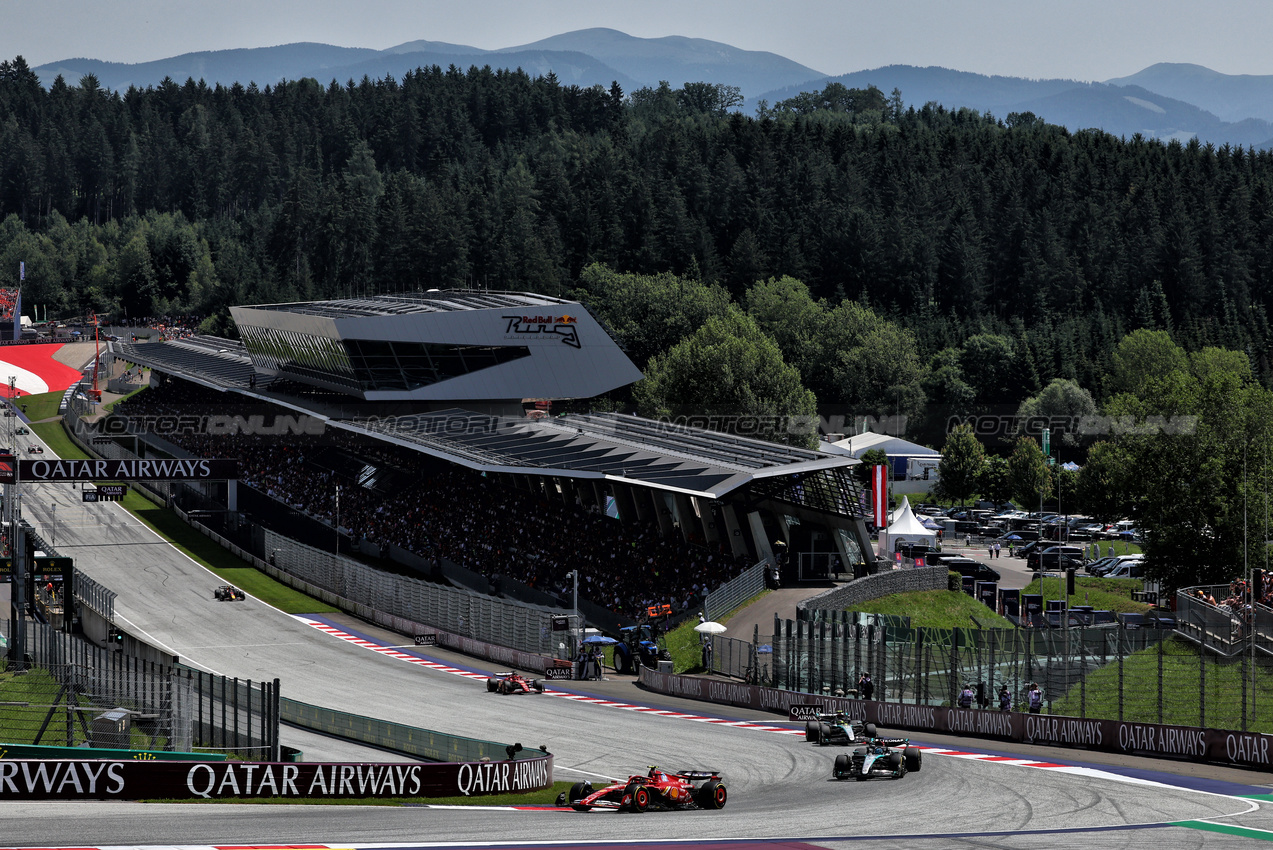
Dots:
pixel 1079 39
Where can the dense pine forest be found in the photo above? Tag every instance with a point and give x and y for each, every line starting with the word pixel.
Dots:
pixel 834 253
pixel 953 225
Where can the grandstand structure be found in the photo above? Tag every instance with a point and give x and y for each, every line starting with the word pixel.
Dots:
pixel 467 378
pixel 10 315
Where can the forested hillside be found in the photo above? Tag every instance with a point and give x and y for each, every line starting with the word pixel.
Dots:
pixel 1009 252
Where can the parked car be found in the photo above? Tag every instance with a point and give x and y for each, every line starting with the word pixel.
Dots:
pixel 970 568
pixel 1094 568
pixel 1126 569
pixel 1055 557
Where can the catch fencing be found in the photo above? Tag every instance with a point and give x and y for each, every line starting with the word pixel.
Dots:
pixel 74 693
pixel 462 612
pixel 1097 673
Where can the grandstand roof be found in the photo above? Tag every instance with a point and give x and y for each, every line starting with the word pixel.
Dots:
pixel 614 446
pixel 646 452
pixel 438 301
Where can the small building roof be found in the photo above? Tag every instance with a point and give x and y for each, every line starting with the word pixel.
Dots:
pixel 892 446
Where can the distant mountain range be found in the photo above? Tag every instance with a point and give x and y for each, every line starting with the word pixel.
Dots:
pixel 1164 101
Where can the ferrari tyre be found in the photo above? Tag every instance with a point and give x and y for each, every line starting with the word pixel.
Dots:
pixel 712 795
pixel 578 791
pixel 914 759
pixel 538 685
pixel 811 729
pixel 640 798
pixel 842 767
pixel 491 686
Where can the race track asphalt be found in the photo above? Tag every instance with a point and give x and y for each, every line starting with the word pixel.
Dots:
pixel 780 787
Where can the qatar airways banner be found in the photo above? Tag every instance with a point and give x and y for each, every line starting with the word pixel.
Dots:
pixel 71 779
pixel 1217 746
pixel 158 469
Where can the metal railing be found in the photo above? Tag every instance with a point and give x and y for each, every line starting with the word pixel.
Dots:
pixel 94 596
pixel 735 592
pixel 515 625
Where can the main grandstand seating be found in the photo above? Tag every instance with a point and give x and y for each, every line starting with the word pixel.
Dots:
pixel 437 509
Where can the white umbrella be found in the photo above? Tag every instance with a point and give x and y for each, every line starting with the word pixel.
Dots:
pixel 709 628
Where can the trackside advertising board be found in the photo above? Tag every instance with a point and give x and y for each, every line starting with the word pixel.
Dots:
pixel 73 779
pixel 159 469
pixel 1217 746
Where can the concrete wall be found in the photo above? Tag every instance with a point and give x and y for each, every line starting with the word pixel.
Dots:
pixel 877 585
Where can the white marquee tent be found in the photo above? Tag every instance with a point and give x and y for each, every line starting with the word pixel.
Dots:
pixel 905 528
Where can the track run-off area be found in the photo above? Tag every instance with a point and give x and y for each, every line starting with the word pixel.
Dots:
pixel 969 793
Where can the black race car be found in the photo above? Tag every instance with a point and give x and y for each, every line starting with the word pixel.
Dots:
pixel 837 730
pixel 228 593
pixel 893 757
pixel 513 683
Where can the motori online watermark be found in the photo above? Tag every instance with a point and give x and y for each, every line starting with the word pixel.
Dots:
pixel 1092 425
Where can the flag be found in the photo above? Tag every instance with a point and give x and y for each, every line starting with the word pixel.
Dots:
pixel 879 494
pixel 22 270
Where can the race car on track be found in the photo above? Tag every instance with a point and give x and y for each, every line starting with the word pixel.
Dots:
pixel 36 450
pixel 21 429
pixel 513 683
pixel 837 730
pixel 228 593
pixel 659 789
pixel 893 757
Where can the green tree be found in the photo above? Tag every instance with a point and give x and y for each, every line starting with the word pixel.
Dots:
pixel 995 482
pixel 1061 406
pixel 870 458
pixel 730 372
pixel 1105 482
pixel 962 459
pixel 1031 476
pixel 1144 356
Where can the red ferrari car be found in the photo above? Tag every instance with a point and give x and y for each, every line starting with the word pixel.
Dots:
pixel 688 789
pixel 513 683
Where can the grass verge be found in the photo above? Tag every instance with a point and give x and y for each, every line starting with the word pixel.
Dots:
pixel 936 609
pixel 42 406
pixel 1103 594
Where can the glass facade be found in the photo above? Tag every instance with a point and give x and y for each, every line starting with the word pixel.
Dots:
pixel 363 365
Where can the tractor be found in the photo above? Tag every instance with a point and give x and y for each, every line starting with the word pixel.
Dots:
pixel 638 644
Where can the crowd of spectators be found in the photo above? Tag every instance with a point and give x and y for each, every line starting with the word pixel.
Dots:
pixel 8 303
pixel 435 509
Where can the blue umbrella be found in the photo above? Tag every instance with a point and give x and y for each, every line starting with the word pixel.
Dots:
pixel 764 649
pixel 599 640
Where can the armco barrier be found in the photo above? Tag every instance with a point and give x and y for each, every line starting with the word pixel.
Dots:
pixel 87 779
pixel 1217 746
pixel 408 740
